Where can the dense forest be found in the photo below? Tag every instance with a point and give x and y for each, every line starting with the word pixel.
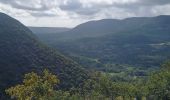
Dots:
pixel 99 86
pixel 21 52
pixel 130 47
pixel 120 63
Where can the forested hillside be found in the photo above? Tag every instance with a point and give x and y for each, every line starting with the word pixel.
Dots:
pixel 100 86
pixel 140 44
pixel 21 52
pixel 123 58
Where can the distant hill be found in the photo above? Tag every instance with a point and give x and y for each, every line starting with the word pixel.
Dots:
pixel 137 41
pixel 114 26
pixel 21 52
pixel 46 30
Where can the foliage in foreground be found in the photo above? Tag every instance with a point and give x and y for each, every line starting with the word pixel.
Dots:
pixel 35 87
pixel 99 87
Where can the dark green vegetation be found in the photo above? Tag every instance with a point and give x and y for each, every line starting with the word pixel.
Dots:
pixel 123 51
pixel 133 45
pixel 99 87
pixel 35 87
pixel 21 52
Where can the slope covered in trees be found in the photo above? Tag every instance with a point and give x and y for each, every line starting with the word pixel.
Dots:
pixel 99 87
pixel 142 43
pixel 21 52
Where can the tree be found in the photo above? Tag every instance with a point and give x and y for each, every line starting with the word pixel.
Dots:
pixel 35 87
pixel 166 65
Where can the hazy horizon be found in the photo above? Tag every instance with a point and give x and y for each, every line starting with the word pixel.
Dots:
pixel 94 20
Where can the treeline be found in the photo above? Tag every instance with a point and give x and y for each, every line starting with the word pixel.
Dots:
pixel 99 87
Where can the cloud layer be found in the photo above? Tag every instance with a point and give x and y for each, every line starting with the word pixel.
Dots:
pixel 69 13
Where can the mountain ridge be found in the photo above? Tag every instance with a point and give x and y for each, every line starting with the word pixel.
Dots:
pixel 22 52
pixel 110 26
pixel 46 30
pixel 109 41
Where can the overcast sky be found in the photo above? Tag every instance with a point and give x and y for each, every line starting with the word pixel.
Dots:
pixel 69 13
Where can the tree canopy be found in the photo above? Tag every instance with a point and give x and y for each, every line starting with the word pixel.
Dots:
pixel 35 87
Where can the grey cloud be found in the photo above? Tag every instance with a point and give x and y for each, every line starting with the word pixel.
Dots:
pixel 84 11
pixel 87 11
pixel 154 2
pixel 42 14
pixel 14 4
pixel 71 5
pixel 42 8
pixel 137 8
pixel 77 7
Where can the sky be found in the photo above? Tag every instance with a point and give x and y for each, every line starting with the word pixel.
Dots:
pixel 69 13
